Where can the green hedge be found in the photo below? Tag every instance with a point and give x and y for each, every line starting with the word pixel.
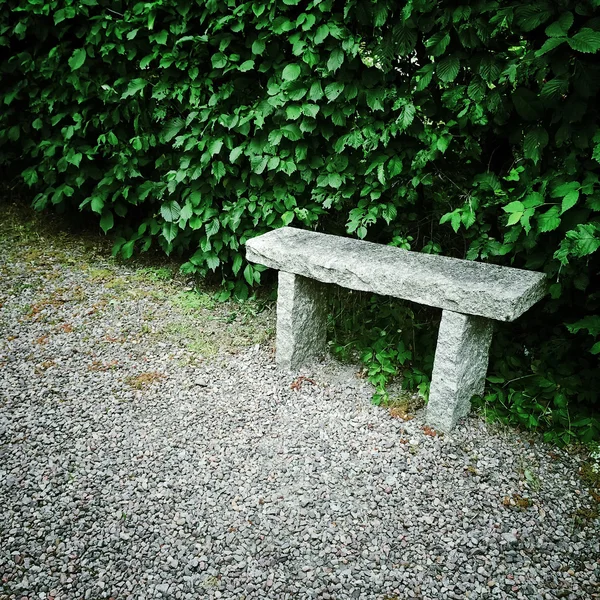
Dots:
pixel 464 129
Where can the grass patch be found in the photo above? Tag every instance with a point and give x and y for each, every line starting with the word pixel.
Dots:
pixel 153 274
pixel 192 337
pixel 98 275
pixel 191 301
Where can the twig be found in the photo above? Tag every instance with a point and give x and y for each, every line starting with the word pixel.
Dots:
pixel 116 13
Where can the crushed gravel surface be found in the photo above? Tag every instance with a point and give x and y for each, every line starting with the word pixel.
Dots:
pixel 133 465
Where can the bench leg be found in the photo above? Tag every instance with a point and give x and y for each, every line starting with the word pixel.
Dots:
pixel 301 321
pixel 459 368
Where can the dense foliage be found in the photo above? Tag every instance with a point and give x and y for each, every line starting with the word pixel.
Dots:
pixel 464 129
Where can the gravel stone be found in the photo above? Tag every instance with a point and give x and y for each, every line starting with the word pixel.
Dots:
pixel 225 477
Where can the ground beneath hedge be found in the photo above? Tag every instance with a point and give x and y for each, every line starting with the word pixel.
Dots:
pixel 150 449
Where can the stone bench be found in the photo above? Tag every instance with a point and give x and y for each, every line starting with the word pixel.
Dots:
pixel 470 294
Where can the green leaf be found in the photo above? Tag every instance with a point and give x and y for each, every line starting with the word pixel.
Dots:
pixel 549 220
pixel 218 170
pixel 316 91
pixel 527 104
pixel 258 47
pixel 170 211
pixel 333 90
pixel 107 221
pixel 97 204
pixel 590 323
pixel 438 43
pixel 218 60
pixel 374 98
pixel 212 261
pixel 287 217
pixel 569 200
pixel 334 180
pixel 321 34
pixel 291 72
pixel 293 112
pixel 212 228
pixel 292 132
pixel 424 76
pixel 235 154
pixel 514 207
pixel 335 60
pixel 407 116
pixel 549 45
pixel 555 88
pixel 161 38
pixel 237 264
pixel 186 212
pixel 533 144
pixel 561 27
pixel 583 240
pixel 587 40
pixel 564 188
pixel 514 218
pixel 169 231
pixel 127 249
pixel 135 86
pixel 247 65
pixel 443 142
pixel 172 128
pixel 75 159
pixel 447 69
pixel 214 146
pixel 77 59
pixel 249 274
pixel 476 90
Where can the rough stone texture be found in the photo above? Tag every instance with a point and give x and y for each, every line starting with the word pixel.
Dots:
pixel 468 287
pixel 461 361
pixel 301 321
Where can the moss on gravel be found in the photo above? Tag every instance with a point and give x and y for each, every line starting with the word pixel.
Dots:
pixel 37 248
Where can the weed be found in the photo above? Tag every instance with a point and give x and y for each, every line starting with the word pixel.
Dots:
pixel 584 516
pixel 390 337
pixel 527 471
pixel 403 406
pixel 118 284
pixel 41 368
pixel 299 381
pixel 516 501
pixel 590 474
pixel 144 380
pixel 100 366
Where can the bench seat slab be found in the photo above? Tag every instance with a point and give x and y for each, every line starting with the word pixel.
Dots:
pixel 459 368
pixel 301 321
pixel 464 286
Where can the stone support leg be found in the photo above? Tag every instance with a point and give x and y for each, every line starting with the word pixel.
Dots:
pixel 459 369
pixel 301 321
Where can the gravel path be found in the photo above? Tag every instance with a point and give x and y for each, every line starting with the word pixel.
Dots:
pixel 134 466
